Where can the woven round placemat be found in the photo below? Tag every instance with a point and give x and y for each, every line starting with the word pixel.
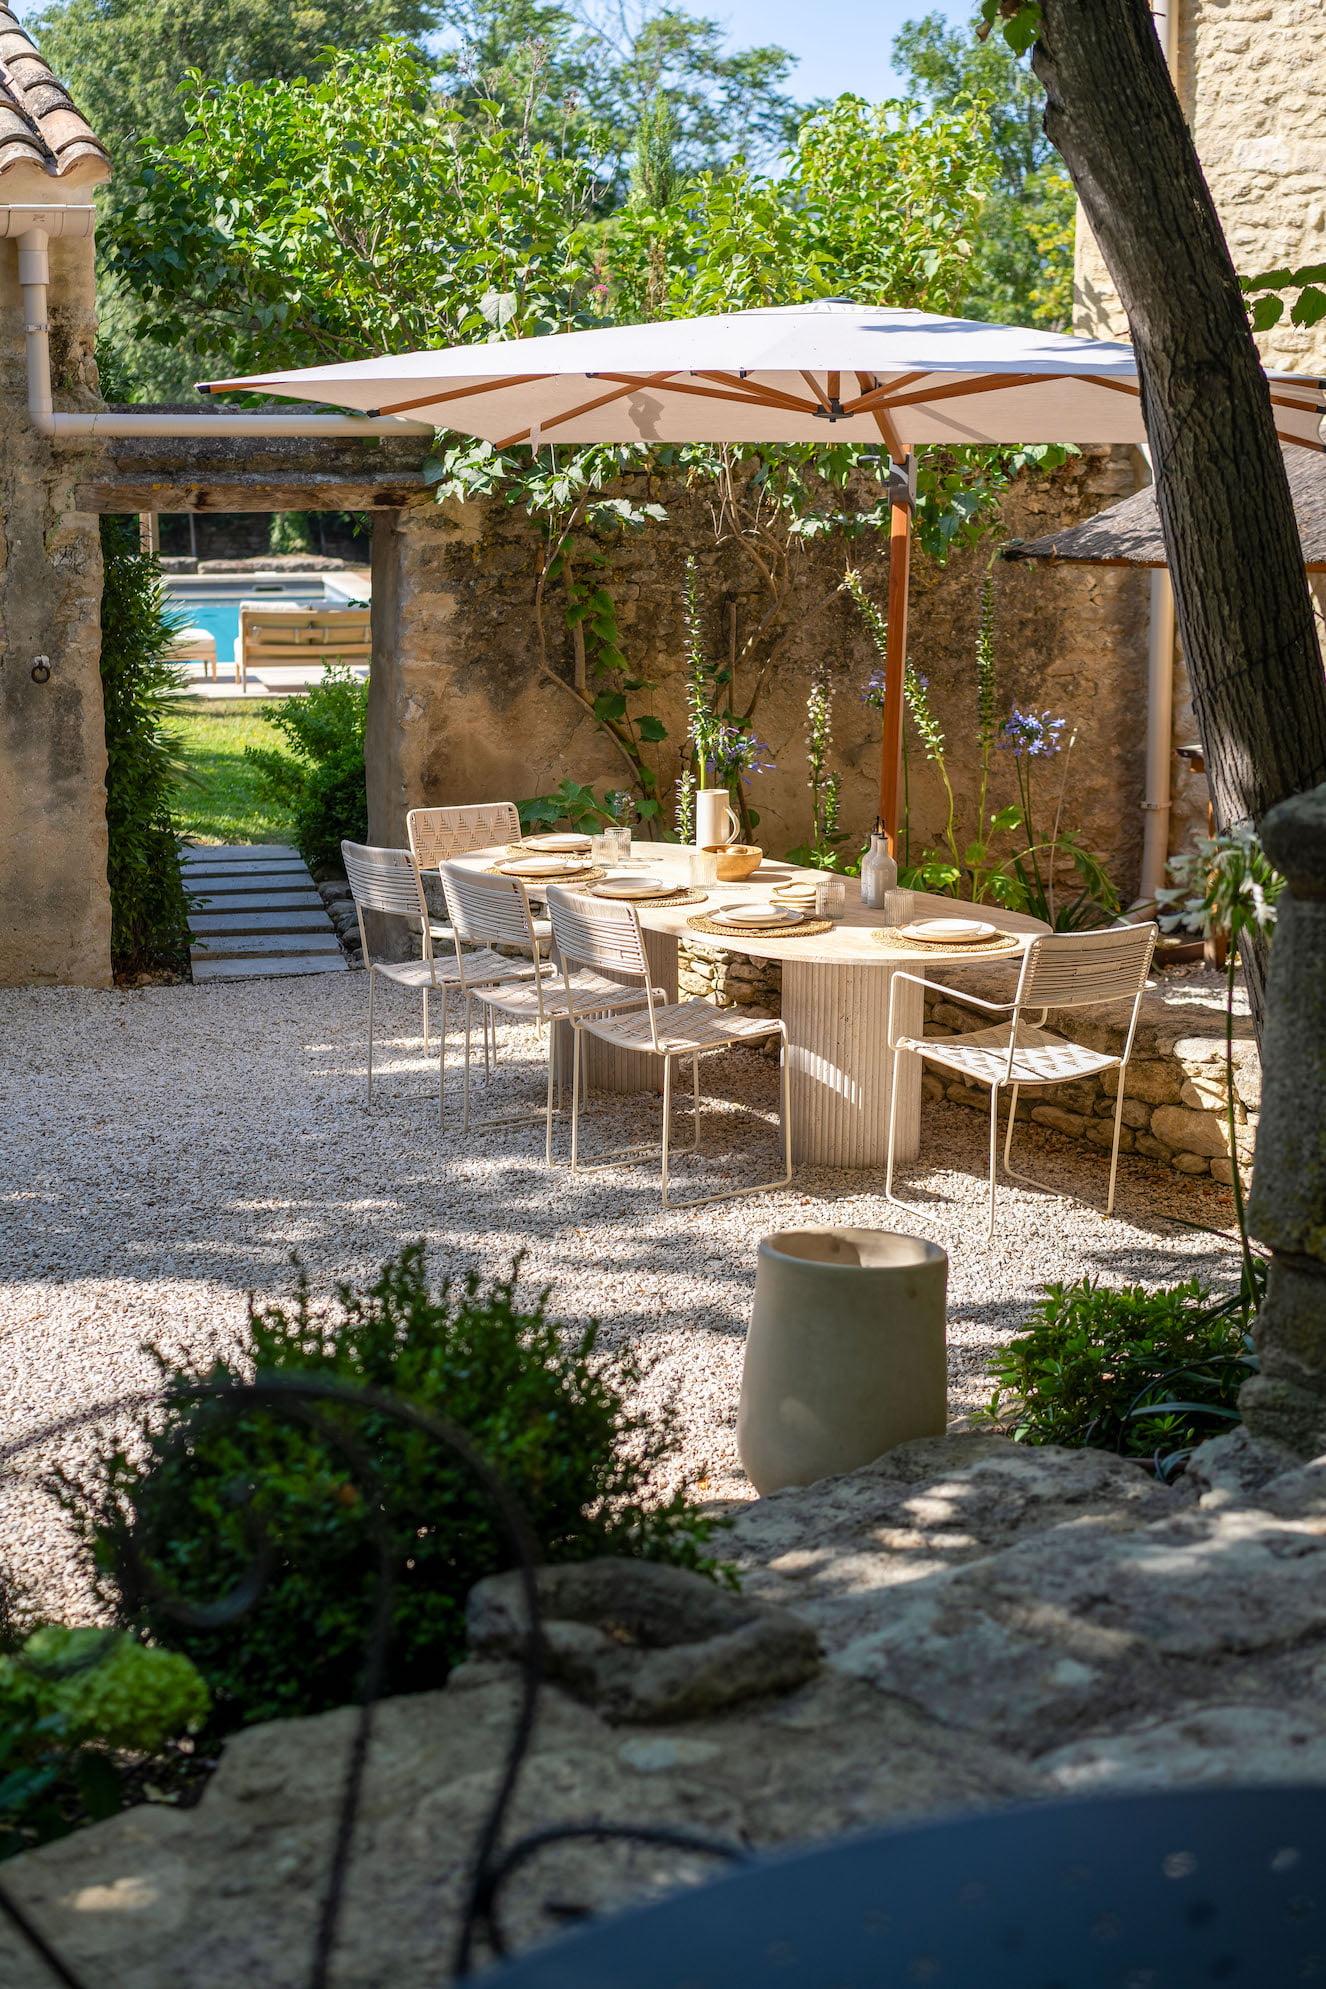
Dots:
pixel 589 876
pixel 803 929
pixel 683 894
pixel 889 935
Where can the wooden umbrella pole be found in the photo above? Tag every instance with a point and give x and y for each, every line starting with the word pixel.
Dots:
pixel 895 657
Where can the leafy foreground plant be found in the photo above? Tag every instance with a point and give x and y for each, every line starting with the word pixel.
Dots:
pixel 323 789
pixel 1147 1374
pixel 547 1414
pixel 78 1707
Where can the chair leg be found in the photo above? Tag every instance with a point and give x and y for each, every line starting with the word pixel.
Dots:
pixel 667 1122
pixel 548 1106
pixel 893 1124
pixel 994 1158
pixel 575 1099
pixel 425 1021
pixel 1114 1145
pixel 372 981
pixel 465 1110
pixel 441 1064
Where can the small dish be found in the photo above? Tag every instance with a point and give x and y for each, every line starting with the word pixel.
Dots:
pixel 754 916
pixel 949 932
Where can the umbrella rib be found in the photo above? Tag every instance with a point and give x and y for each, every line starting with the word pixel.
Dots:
pixel 871 389
pixel 464 393
pixel 988 383
pixel 888 432
pixel 762 395
pixel 815 389
pixel 585 407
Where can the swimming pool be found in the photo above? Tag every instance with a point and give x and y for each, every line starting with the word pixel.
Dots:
pixel 212 601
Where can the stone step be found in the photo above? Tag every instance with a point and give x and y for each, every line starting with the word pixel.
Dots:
pixel 235 873
pixel 210 924
pixel 260 901
pixel 239 945
pixel 207 968
pixel 240 853
pixel 224 885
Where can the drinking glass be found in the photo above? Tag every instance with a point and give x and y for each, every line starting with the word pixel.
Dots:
pixel 618 841
pixel 830 898
pixel 899 907
pixel 601 848
pixel 704 867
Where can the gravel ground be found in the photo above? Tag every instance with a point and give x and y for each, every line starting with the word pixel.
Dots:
pixel 167 1149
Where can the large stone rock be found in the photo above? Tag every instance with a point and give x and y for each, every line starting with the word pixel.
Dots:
pixel 998 1622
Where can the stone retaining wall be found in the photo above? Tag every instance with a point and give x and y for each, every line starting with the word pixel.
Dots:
pixel 1174 1092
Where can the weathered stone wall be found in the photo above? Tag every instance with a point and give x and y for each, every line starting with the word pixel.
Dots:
pixel 461 711
pixel 54 899
pixel 1251 76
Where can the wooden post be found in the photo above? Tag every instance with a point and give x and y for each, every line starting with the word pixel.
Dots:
pixel 895 659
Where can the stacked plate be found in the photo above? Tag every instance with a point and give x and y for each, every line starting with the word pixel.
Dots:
pixel 635 887
pixel 558 845
pixel 750 917
pixel 544 866
pixel 949 932
pixel 800 896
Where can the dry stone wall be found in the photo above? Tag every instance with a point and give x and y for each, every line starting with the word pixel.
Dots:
pixel 463 712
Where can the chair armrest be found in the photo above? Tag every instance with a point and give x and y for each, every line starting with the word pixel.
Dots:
pixel 941 987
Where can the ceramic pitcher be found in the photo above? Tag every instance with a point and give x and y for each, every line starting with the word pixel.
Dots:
pixel 715 818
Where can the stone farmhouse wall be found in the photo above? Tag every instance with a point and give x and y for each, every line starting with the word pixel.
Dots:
pixel 462 712
pixel 1251 76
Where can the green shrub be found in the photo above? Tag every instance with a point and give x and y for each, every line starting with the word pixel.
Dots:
pixel 71 1702
pixel 140 690
pixel 1143 1373
pixel 547 1414
pixel 323 787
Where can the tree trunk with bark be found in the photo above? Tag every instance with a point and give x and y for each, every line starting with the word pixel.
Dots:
pixel 1241 595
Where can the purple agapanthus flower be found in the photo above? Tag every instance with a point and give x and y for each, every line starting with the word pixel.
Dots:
pixel 1035 734
pixel 874 690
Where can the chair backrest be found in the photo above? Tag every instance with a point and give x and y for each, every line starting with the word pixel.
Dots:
pixel 383 880
pixel 1087 969
pixel 437 834
pixel 303 636
pixel 596 933
pixel 490 911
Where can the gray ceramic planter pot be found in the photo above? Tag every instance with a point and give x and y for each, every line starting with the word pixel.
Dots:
pixel 846 1352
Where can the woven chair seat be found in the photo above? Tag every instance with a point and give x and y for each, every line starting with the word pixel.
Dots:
pixel 684 1027
pixel 1041 1057
pixel 442 972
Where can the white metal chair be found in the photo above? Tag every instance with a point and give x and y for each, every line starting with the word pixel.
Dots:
pixel 595 934
pixel 1062 970
pixel 490 910
pixel 387 881
pixel 436 835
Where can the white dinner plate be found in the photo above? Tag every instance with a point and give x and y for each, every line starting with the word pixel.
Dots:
pixel 566 845
pixel 542 866
pixel 634 887
pixel 755 916
pixel 949 932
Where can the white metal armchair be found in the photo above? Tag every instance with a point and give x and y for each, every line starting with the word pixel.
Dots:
pixel 1068 970
pixel 494 911
pixel 597 935
pixel 387 881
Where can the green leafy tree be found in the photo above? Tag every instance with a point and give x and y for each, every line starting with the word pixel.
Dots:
pixel 1021 271
pixel 592 77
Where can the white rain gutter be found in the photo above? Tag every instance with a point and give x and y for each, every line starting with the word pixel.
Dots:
pixel 1159 759
pixel 34 227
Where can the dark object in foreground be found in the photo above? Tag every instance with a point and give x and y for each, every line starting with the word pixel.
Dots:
pixel 1170 1889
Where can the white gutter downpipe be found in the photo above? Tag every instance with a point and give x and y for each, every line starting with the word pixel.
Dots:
pixel 34 226
pixel 1159 764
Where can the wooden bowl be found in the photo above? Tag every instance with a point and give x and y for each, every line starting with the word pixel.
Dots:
pixel 736 860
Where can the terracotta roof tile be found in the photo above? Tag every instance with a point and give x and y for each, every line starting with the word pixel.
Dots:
pixel 39 123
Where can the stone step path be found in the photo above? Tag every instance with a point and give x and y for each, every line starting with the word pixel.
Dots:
pixel 255 910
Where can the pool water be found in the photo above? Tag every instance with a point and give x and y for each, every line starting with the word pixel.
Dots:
pixel 216 607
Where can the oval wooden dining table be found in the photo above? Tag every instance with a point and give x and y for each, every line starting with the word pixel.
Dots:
pixel 836 989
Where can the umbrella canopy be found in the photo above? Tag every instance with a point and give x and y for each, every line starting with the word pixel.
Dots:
pixel 802 373
pixel 832 371
pixel 1128 533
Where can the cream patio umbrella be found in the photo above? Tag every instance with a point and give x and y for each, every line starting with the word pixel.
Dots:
pixel 799 373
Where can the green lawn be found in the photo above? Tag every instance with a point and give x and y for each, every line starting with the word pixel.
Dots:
pixel 220 803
